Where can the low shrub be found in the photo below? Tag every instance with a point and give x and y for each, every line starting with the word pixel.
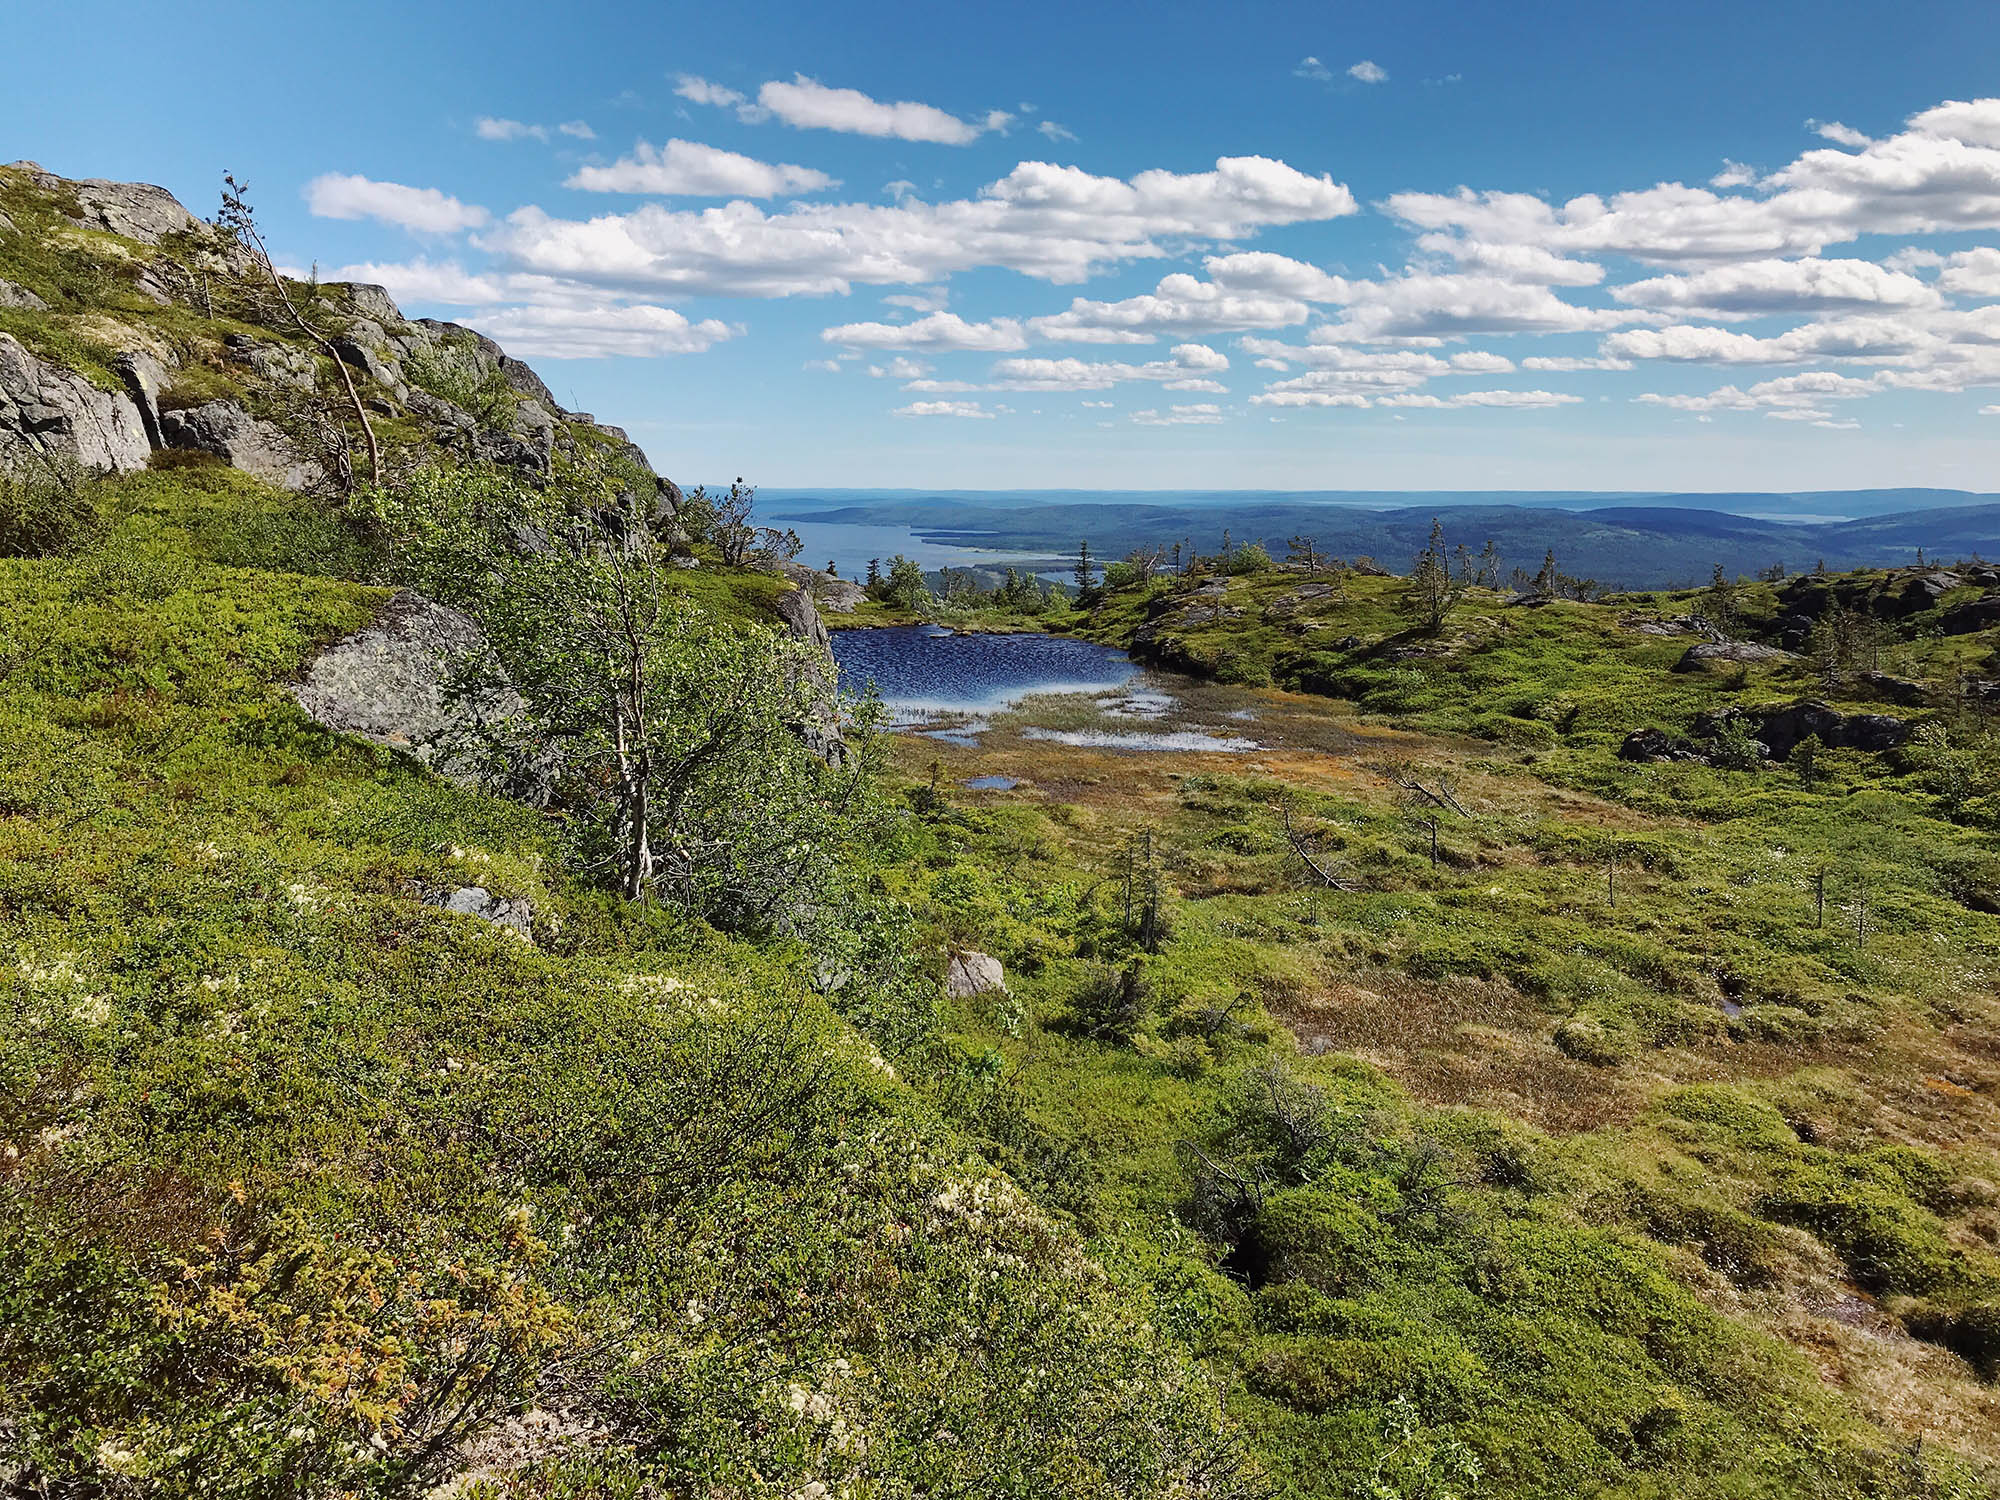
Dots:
pixel 47 511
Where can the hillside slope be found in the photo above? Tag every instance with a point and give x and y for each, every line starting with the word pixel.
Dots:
pixel 356 1142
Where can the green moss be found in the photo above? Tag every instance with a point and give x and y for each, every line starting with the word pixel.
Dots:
pixel 54 338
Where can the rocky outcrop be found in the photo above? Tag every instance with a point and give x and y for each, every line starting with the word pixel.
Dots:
pixel 272 362
pixel 1304 598
pixel 969 974
pixel 801 619
pixel 133 210
pixel 1895 689
pixel 825 590
pixel 242 441
pixel 1773 732
pixel 49 414
pixel 1780 729
pixel 802 622
pixel 1705 655
pixel 46 412
pixel 145 377
pixel 1970 615
pixel 1655 745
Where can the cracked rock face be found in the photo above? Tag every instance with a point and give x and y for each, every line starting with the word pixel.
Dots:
pixel 241 441
pixel 48 415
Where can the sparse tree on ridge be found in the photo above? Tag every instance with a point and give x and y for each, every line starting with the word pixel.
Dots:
pixel 1432 588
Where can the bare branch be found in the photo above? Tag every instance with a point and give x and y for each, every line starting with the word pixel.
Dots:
pixel 1299 848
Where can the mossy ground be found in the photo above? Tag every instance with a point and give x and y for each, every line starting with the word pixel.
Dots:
pixel 306 1180
pixel 1716 1158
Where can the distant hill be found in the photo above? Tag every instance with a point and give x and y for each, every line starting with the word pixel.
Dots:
pixel 1648 544
pixel 1806 505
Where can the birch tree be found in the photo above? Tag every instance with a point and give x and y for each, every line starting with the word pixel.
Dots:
pixel 670 736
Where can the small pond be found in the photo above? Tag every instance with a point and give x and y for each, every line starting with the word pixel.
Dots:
pixel 924 672
pixel 965 689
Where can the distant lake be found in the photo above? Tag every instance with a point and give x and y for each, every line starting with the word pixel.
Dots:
pixel 922 670
pixel 850 545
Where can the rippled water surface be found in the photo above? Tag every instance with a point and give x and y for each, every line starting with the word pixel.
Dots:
pixel 924 672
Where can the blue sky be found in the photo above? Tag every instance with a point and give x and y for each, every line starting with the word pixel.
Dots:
pixel 1552 245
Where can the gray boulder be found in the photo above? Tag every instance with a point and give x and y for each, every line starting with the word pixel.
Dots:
pixel 1971 615
pixel 14 295
pixel 969 974
pixel 1896 689
pixel 241 441
pixel 48 414
pixel 1707 654
pixel 386 682
pixel 364 346
pixel 1654 745
pixel 517 914
pixel 824 589
pixel 1307 596
pixel 801 619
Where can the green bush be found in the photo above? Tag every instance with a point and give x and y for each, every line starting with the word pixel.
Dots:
pixel 48 510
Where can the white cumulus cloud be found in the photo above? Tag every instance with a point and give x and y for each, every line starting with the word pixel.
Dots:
pixel 809 104
pixel 425 210
pixel 691 169
pixel 635 331
pixel 1196 414
pixel 942 409
pixel 1059 224
pixel 939 331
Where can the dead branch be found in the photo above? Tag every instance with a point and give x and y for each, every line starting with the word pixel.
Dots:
pixel 1442 797
pixel 1299 848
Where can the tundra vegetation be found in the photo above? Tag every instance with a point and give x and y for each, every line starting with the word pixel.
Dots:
pixel 1455 1097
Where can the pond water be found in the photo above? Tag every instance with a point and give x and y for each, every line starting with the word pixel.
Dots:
pixel 924 673
pixel 966 689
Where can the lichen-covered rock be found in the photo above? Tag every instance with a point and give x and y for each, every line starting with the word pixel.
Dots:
pixel 15 295
pixel 371 301
pixel 364 346
pixel 241 441
pixel 515 914
pixel 388 683
pixel 1706 654
pixel 802 622
pixel 279 364
pixel 969 974
pixel 48 414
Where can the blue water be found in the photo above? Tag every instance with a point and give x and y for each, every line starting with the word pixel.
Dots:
pixel 850 545
pixel 921 670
